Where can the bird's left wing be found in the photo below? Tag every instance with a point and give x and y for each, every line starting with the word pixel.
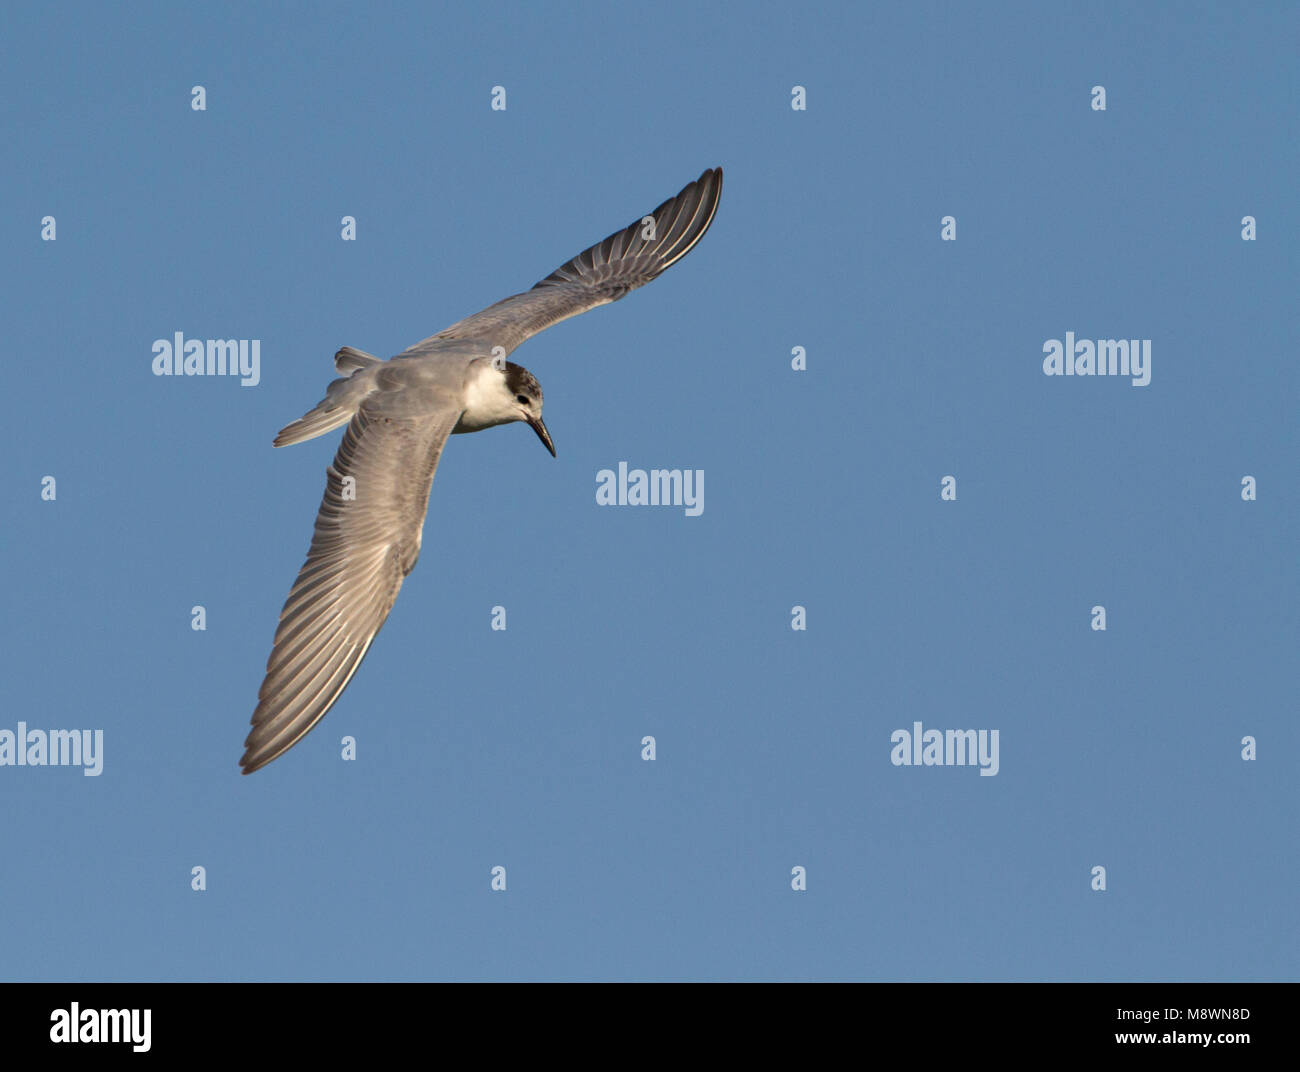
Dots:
pixel 367 540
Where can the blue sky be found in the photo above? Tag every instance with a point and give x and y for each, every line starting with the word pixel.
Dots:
pixel 522 749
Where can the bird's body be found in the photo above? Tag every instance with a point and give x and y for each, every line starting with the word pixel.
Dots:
pixel 399 414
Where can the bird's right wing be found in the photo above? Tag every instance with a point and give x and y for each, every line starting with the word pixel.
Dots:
pixel 628 259
pixel 367 540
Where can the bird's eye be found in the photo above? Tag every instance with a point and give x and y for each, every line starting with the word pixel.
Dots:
pixel 522 398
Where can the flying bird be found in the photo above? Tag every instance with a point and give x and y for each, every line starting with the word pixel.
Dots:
pixel 399 414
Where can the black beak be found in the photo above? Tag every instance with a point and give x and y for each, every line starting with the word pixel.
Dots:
pixel 539 426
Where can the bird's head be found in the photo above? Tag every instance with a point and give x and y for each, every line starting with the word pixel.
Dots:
pixel 526 400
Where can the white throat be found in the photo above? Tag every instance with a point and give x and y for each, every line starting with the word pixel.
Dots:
pixel 488 401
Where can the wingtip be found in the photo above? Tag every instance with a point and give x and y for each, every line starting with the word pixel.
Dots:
pixel 293 432
pixel 256 753
pixel 249 766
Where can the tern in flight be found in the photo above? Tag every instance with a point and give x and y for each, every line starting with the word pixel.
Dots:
pixel 399 414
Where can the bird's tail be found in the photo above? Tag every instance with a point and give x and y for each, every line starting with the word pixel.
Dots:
pixel 341 400
pixel 349 359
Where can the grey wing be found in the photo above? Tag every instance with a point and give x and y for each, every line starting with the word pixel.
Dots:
pixel 362 549
pixel 628 259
